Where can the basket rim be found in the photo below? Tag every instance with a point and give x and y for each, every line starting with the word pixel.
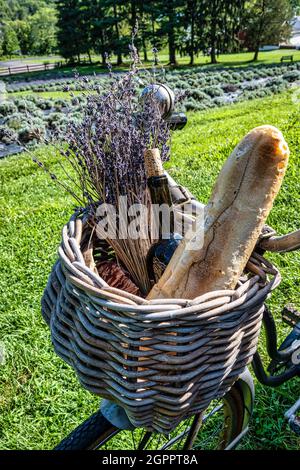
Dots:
pixel 251 289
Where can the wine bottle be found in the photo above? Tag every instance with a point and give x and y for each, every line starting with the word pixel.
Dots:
pixel 161 251
pixel 186 207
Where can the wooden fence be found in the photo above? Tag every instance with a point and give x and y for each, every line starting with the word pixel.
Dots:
pixel 5 71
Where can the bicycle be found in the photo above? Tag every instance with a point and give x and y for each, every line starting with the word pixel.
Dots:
pixel 226 421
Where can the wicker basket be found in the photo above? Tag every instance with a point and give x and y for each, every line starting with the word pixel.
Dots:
pixel 162 360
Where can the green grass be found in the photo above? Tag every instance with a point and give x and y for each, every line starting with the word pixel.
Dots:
pixel 32 58
pixel 242 59
pixel 65 71
pixel 54 95
pixel 237 59
pixel 40 398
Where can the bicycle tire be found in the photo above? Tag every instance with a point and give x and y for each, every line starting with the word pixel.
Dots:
pixel 87 435
pixel 96 431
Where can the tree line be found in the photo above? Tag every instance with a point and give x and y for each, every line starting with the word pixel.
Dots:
pixel 28 27
pixel 184 27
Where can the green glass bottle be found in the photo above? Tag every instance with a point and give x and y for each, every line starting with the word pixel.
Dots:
pixel 161 251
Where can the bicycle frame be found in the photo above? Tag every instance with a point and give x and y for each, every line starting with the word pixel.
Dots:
pixel 293 419
pixel 279 356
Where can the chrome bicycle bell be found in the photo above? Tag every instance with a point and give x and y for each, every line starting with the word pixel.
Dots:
pixel 163 95
pixel 166 100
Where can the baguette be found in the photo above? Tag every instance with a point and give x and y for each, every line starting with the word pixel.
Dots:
pixel 234 216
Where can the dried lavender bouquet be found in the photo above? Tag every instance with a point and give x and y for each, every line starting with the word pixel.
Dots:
pixel 106 153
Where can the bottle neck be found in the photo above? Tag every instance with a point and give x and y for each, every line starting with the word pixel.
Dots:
pixel 160 195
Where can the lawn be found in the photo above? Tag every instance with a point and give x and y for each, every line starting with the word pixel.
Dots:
pixel 31 58
pixel 237 59
pixel 242 59
pixel 40 398
pixel 46 95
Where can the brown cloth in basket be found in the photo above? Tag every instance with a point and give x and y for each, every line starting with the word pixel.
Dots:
pixel 115 276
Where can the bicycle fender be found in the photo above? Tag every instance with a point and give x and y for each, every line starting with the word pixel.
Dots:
pixel 116 415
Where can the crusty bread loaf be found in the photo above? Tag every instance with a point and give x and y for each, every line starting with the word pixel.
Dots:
pixel 234 216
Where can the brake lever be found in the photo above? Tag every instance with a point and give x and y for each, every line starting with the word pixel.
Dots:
pixel 293 419
pixel 282 244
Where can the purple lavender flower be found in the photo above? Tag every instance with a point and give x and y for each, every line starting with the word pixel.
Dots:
pixel 106 152
pixel 109 144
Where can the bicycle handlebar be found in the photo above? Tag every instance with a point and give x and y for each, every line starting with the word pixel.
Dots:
pixel 282 244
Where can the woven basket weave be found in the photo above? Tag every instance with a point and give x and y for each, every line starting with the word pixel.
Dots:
pixel 162 360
